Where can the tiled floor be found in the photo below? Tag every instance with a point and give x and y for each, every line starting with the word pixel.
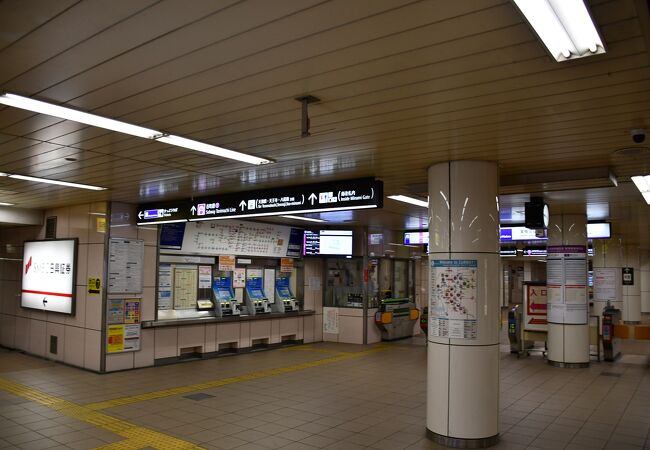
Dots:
pixel 329 396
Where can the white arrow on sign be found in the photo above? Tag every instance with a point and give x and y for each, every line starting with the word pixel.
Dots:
pixel 242 205
pixel 313 198
pixel 140 215
pixel 193 209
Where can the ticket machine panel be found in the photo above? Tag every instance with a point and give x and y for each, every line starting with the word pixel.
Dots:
pixel 255 298
pixel 284 297
pixel 224 294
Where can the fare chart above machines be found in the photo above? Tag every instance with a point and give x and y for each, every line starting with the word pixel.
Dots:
pixel 336 195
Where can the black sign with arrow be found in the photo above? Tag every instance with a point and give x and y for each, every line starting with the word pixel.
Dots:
pixel 336 195
pixel 332 196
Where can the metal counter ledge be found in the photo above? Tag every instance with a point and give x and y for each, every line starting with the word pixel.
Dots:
pixel 242 318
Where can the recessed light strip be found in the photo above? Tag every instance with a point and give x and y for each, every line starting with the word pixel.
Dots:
pixel 307 219
pixel 410 200
pixel 564 26
pixel 57 182
pixel 62 112
pixel 6 204
pixel 642 183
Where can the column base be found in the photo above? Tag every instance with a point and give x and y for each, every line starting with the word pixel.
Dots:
pixel 455 442
pixel 568 365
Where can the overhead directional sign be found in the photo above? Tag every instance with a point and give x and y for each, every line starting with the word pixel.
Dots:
pixel 163 212
pixel 336 195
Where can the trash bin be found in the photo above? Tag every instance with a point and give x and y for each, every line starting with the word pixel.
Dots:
pixel 611 317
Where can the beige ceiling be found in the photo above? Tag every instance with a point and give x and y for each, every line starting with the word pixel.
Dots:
pixel 404 84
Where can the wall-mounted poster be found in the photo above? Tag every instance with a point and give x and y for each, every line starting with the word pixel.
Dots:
pixel 125 266
pixel 452 300
pixel 49 274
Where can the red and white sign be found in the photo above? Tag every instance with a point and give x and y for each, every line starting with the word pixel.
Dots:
pixel 49 275
pixel 536 308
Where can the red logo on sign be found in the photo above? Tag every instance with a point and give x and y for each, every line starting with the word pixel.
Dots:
pixel 28 265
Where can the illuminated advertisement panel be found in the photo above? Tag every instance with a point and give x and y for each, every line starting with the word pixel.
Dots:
pixel 49 274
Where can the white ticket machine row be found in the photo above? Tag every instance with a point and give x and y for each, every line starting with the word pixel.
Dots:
pixel 255 299
pixel 225 301
pixel 285 300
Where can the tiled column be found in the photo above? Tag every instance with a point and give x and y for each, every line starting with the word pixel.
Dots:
pixel 463 339
pixel 608 254
pixel 568 321
pixel 644 281
pixel 632 292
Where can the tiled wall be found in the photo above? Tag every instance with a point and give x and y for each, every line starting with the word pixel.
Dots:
pixel 123 225
pixel 78 336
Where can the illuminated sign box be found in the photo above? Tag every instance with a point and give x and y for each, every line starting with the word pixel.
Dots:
pixel 49 273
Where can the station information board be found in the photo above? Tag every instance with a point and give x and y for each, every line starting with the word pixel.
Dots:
pixel 332 196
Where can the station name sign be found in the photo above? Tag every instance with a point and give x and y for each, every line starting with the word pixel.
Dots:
pixel 337 195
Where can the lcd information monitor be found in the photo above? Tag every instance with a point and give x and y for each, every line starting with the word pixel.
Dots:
pixel 328 243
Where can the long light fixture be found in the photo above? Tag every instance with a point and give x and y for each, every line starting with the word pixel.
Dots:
pixel 564 26
pixel 410 200
pixel 48 181
pixel 6 204
pixel 305 211
pixel 62 112
pixel 642 183
pixel 307 219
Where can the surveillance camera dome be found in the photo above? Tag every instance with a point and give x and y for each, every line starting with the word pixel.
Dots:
pixel 638 135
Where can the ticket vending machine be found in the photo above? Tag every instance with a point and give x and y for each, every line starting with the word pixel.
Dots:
pixel 285 301
pixel 224 295
pixel 254 298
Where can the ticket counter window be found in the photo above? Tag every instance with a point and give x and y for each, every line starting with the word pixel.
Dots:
pixel 344 283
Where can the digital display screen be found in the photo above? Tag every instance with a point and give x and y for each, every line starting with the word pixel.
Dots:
pixel 416 237
pixel 49 274
pixel 328 242
pixel 599 230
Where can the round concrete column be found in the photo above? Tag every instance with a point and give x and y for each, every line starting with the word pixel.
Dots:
pixel 644 281
pixel 566 278
pixel 631 292
pixel 463 332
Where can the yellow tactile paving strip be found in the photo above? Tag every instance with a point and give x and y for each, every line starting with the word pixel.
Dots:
pixel 140 437
pixel 136 436
pixel 339 356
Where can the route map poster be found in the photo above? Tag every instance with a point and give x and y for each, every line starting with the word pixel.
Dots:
pixel 453 297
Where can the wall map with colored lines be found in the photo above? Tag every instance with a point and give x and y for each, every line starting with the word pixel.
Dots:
pixel 452 300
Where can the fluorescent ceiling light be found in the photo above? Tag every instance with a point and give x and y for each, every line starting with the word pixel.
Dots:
pixel 6 204
pixel 643 185
pixel 57 182
pixel 564 26
pixel 305 211
pixel 62 112
pixel 411 200
pixel 153 223
pixel 308 219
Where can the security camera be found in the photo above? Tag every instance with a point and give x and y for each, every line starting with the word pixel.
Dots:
pixel 638 135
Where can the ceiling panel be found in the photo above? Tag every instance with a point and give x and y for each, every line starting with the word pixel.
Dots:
pixel 403 85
